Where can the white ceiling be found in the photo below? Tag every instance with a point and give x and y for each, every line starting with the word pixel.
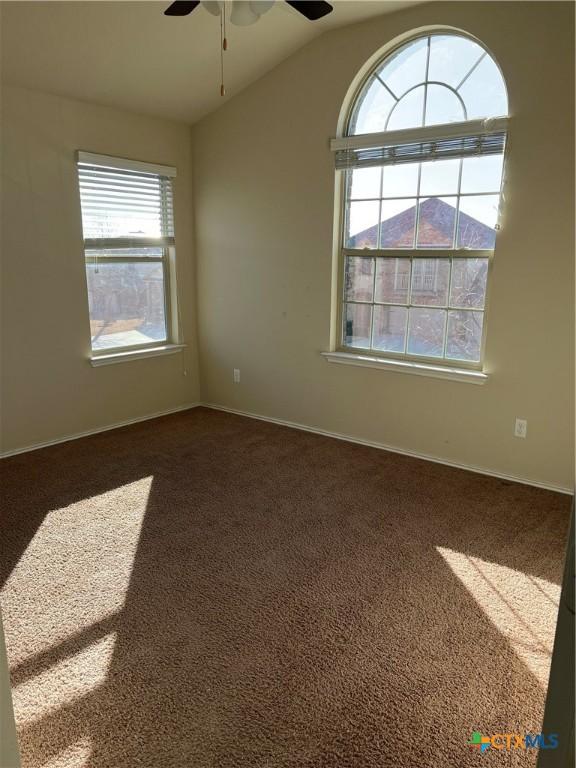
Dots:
pixel 129 55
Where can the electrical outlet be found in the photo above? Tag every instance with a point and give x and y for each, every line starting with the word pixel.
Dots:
pixel 236 375
pixel 521 428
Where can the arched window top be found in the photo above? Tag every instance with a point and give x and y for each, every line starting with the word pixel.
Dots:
pixel 434 79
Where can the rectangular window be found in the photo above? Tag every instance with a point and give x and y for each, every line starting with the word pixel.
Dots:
pixel 128 227
pixel 418 236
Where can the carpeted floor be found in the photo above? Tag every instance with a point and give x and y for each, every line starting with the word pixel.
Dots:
pixel 206 590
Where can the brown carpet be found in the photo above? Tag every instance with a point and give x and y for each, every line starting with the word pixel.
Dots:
pixel 206 590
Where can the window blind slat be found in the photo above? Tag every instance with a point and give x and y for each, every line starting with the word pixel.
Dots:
pixel 127 205
pixel 421 151
pixel 120 189
pixel 113 207
pixel 126 243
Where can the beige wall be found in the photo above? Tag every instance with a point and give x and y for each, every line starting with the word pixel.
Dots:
pixel 264 197
pixel 264 205
pixel 49 388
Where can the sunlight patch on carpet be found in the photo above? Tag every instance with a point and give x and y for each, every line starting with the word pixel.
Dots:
pixel 63 683
pixel 44 601
pixel 522 607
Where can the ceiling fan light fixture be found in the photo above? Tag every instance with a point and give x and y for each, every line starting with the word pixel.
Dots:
pixel 213 6
pixel 242 14
pixel 259 7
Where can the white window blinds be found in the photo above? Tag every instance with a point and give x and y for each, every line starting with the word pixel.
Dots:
pixel 416 145
pixel 125 203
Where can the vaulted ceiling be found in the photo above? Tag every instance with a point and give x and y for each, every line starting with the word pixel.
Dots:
pixel 129 55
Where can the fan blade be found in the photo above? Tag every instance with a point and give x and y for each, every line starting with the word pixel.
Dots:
pixel 181 7
pixel 311 9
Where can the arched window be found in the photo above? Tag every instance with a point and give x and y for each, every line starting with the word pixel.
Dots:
pixel 422 161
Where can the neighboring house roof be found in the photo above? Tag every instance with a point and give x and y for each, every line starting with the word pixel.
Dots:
pixel 435 230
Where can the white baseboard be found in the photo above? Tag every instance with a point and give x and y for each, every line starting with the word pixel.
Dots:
pixel 303 427
pixel 97 431
pixel 394 449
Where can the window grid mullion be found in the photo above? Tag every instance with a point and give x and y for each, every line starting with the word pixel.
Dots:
pixel 445 345
pixel 445 334
pixel 379 238
pixel 408 330
pixel 458 198
pixel 426 81
pixel 411 197
pixel 419 253
pixel 373 303
pixel 100 258
pixel 461 83
pixel 417 216
pixel 405 346
pixel 418 306
pixel 390 91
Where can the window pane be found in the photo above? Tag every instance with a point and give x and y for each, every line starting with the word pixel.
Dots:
pixel 477 221
pixel 482 174
pixel 400 180
pixel 406 67
pixel 426 332
pixel 390 328
pixel 436 222
pixel 362 231
pixel 468 287
pixel 484 92
pixel 409 112
pixel 357 325
pixel 430 281
pixel 126 304
pixel 464 335
pixel 398 223
pixel 365 183
pixel 443 106
pixel 451 58
pixel 359 278
pixel 440 178
pixel 375 106
pixel 392 280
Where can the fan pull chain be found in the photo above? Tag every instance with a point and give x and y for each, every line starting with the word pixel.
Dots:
pixel 223 47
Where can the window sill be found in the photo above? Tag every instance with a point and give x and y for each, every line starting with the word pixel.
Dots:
pixel 404 366
pixel 135 354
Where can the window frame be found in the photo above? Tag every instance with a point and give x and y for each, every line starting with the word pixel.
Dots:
pixel 411 254
pixel 166 244
pixel 342 211
pixel 164 260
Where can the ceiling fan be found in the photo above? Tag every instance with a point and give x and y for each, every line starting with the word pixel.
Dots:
pixel 242 14
pixel 245 13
